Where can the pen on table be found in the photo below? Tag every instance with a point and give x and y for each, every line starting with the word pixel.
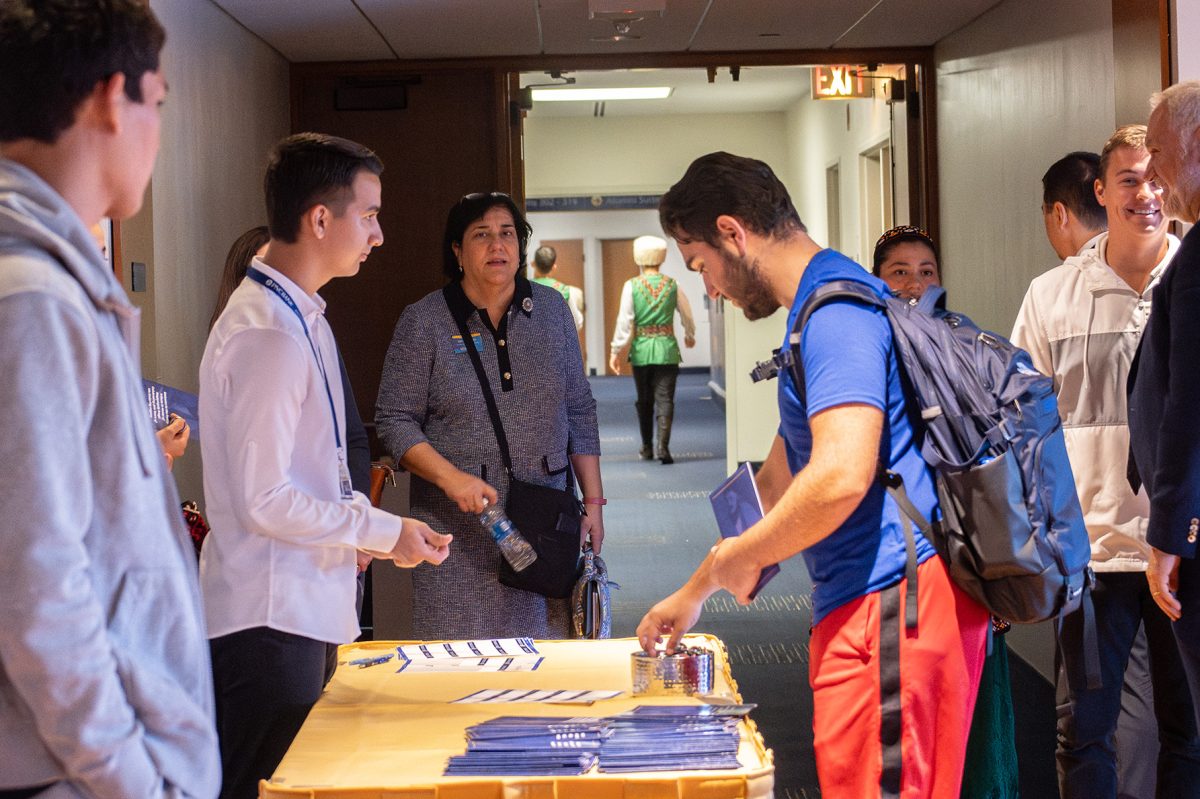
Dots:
pixel 363 663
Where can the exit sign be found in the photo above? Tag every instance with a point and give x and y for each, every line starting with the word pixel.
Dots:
pixel 839 83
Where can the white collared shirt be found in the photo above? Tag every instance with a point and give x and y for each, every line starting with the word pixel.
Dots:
pixel 281 550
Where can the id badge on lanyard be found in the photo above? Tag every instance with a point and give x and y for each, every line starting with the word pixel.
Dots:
pixel 345 486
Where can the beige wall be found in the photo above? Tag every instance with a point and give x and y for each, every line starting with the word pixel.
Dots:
pixel 228 103
pixel 822 133
pixel 1017 89
pixel 626 155
pixel 1185 52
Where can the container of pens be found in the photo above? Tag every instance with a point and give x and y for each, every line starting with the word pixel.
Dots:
pixel 687 672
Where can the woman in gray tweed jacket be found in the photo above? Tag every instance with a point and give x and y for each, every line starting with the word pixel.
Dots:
pixel 432 417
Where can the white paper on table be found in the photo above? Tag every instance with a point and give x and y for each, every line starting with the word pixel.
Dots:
pixel 456 650
pixel 560 697
pixel 525 663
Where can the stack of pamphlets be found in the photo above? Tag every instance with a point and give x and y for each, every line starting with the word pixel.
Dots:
pixel 530 745
pixel 648 738
pixel 673 738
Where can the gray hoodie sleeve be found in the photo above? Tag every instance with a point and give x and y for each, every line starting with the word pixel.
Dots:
pixel 54 640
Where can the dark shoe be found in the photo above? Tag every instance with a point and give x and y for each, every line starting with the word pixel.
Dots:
pixel 647 452
pixel 664 439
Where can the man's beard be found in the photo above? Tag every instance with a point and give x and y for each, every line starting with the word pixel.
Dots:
pixel 745 285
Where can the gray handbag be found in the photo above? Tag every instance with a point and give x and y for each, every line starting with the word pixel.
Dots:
pixel 591 601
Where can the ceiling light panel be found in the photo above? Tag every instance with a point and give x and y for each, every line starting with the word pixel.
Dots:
pixel 601 95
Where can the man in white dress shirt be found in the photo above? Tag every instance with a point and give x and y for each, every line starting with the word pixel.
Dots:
pixel 278 569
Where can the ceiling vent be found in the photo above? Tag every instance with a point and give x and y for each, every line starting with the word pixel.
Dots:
pixel 626 9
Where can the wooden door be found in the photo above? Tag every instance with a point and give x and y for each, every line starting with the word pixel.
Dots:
pixel 443 145
pixel 569 269
pixel 617 266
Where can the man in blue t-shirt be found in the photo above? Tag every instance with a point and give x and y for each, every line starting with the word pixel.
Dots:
pixel 892 704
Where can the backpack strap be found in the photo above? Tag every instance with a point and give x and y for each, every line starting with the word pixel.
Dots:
pixel 893 483
pixel 826 292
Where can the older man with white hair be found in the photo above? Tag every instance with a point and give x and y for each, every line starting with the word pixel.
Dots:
pixel 649 303
pixel 1164 383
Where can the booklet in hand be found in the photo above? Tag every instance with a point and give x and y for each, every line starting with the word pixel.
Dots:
pixel 737 506
pixel 166 400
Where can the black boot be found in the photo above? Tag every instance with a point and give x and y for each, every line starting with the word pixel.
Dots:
pixel 664 440
pixel 645 412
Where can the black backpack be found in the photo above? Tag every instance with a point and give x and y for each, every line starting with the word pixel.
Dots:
pixel 1012 531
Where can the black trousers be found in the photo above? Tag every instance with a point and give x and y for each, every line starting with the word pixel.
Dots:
pixel 265 682
pixel 655 384
pixel 1087 719
pixel 1187 629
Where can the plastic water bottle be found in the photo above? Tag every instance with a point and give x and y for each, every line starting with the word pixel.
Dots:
pixel 516 550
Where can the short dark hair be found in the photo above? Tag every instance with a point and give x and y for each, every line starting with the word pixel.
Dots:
pixel 54 52
pixel 308 169
pixel 1071 180
pixel 722 183
pixel 544 259
pixel 899 235
pixel 469 209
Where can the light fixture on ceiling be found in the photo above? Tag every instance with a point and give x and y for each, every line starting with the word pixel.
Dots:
pixel 602 95
pixel 626 9
pixel 621 31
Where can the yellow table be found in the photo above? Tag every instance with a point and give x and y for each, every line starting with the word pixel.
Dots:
pixel 379 734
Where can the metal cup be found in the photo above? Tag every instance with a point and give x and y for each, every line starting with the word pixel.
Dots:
pixel 681 674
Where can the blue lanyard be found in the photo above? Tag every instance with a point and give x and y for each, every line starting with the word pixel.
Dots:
pixel 280 292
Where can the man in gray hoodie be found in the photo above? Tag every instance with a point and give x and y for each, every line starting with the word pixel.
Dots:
pixel 105 686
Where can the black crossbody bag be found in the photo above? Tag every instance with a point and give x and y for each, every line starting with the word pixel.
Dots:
pixel 549 518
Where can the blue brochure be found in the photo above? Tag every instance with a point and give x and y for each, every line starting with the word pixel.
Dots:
pixel 737 506
pixel 165 400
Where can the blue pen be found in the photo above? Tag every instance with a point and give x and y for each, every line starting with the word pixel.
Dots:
pixel 363 663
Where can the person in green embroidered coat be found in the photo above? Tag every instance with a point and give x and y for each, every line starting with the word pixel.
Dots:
pixel 544 261
pixel 649 303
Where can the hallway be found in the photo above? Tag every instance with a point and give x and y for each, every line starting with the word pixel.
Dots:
pixel 659 526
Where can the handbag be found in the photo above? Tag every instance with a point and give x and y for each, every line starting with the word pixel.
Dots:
pixel 548 518
pixel 591 600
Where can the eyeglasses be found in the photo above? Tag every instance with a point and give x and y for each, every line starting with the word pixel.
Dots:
pixel 911 231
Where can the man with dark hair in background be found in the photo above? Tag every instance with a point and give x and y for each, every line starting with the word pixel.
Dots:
pixel 278 569
pixel 105 687
pixel 1073 218
pixel 734 223
pixel 1081 323
pixel 545 259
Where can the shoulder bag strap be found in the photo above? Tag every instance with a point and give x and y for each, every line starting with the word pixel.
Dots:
pixel 484 386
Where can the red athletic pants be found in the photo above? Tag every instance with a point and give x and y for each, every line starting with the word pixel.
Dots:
pixel 940 664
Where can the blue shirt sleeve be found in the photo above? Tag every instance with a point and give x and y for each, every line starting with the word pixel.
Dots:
pixel 845 347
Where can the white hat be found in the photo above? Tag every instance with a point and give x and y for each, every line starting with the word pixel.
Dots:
pixel 649 250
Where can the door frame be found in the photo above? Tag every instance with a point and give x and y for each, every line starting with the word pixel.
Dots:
pixel 920 100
